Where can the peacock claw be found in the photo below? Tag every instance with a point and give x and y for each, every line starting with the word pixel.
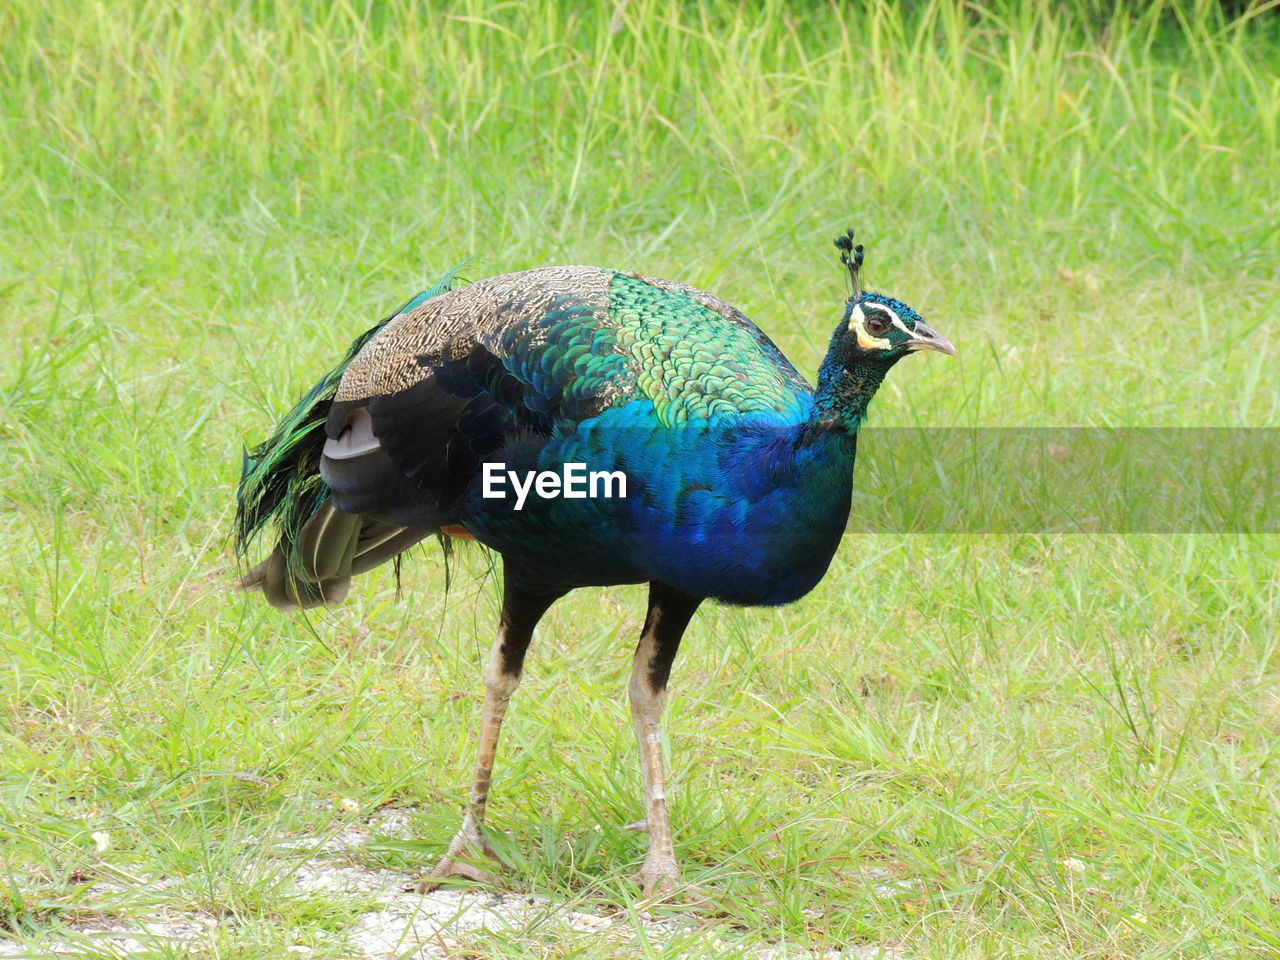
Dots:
pixel 446 868
pixel 468 845
pixel 658 879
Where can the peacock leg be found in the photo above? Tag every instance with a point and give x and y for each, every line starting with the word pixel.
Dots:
pixel 521 611
pixel 669 615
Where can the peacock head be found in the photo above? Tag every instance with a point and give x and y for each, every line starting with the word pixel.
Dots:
pixel 875 333
pixel 879 330
pixel 882 328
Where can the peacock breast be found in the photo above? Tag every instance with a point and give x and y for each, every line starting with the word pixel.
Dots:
pixel 742 512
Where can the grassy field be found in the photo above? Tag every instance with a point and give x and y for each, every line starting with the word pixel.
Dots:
pixel 957 746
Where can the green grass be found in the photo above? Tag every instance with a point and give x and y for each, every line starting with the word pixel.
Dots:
pixel 1063 746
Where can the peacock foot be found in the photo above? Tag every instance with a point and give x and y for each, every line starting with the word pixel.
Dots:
pixel 658 878
pixel 468 845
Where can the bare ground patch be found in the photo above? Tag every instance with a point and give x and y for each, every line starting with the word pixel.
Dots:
pixel 400 924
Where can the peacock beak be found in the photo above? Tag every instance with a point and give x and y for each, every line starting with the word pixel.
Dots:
pixel 924 337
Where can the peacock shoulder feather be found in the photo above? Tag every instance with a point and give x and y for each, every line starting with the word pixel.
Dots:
pixel 698 358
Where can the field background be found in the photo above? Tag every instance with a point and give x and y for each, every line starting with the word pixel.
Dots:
pixel 1034 746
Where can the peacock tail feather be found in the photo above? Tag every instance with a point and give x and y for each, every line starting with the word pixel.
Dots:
pixel 280 479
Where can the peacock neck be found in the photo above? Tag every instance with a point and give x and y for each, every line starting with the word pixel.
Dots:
pixel 844 392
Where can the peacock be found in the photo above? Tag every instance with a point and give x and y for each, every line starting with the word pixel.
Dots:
pixel 721 473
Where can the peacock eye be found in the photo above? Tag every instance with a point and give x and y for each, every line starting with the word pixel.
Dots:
pixel 877 325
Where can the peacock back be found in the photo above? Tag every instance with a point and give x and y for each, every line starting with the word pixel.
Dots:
pixel 575 341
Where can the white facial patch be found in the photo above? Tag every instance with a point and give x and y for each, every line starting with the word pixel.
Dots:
pixel 865 340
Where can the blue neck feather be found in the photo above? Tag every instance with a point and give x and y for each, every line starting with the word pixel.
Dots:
pixel 846 385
